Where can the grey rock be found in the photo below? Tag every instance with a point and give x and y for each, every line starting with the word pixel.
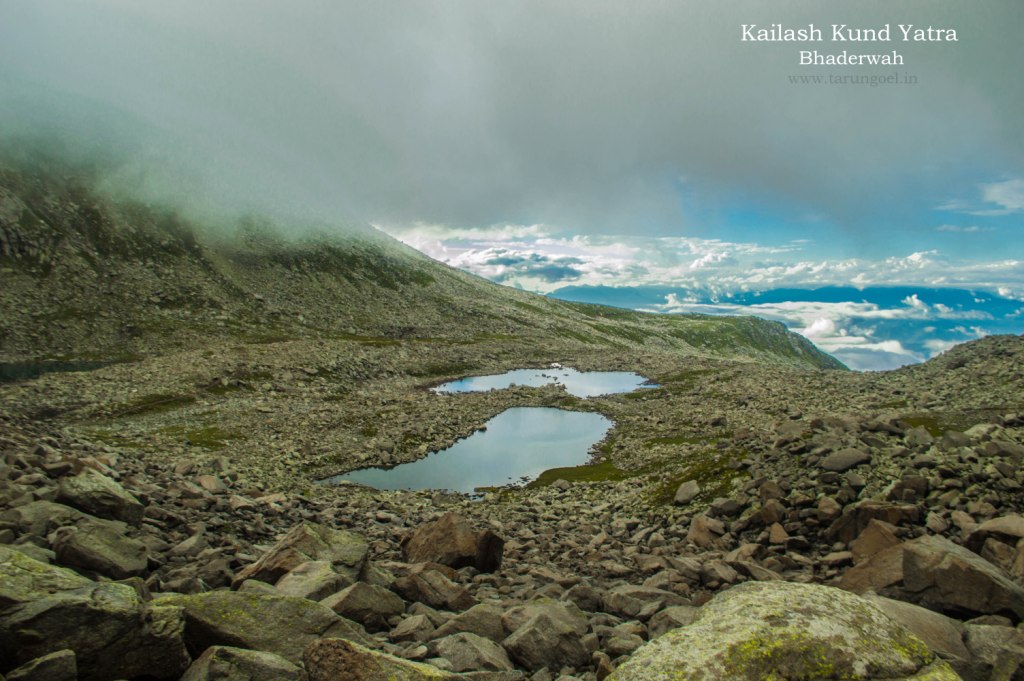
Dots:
pixel 786 630
pixel 543 641
pixel 944 576
pixel 686 492
pixel 101 496
pixel 844 460
pixel 345 551
pixel 100 546
pixel 369 604
pixel 59 666
pixel 113 633
pixel 314 580
pixel 282 625
pixel 223 663
pixel 469 652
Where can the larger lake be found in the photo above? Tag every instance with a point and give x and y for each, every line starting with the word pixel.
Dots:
pixel 519 442
pixel 578 383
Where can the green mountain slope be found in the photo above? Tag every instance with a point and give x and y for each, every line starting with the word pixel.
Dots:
pixel 85 275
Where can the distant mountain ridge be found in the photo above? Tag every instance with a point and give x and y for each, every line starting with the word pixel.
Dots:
pixel 85 275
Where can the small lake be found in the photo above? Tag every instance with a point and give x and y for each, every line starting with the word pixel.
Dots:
pixel 519 442
pixel 19 371
pixel 578 383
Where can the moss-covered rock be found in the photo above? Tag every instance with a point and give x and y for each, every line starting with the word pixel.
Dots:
pixel 340 660
pixel 780 630
pixel 113 633
pixel 282 625
pixel 345 551
pixel 24 579
pixel 101 496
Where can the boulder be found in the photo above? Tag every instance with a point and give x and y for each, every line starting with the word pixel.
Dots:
pixel 844 460
pixel 113 633
pixel 543 641
pixel 24 579
pixel 704 530
pixel 223 663
pixel 996 652
pixel 941 575
pixel 468 652
pixel 341 660
pixel 855 518
pixel 432 588
pixel 785 630
pixel 42 517
pixel 638 602
pixel 942 634
pixel 369 604
pixel 99 546
pixel 874 538
pixel 1009 529
pixel 345 551
pixel 671 618
pixel 314 580
pixel 101 496
pixel 876 573
pixel 686 492
pixel 282 625
pixel 483 620
pixel 417 628
pixel 450 540
pixel 566 613
pixel 58 666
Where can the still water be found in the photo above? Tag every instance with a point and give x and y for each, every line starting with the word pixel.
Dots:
pixel 519 442
pixel 578 383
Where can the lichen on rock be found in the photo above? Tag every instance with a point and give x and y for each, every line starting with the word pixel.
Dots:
pixel 780 630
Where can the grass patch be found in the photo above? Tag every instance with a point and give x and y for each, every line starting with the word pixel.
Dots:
pixel 444 369
pixel 712 471
pixel 151 404
pixel 210 437
pixel 598 472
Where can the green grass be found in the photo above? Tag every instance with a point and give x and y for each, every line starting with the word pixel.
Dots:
pixel 151 404
pixel 598 472
pixel 209 437
pixel 712 472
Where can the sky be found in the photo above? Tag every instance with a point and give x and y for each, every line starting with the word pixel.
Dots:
pixel 573 143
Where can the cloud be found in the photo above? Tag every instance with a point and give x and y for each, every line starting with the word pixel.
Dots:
pixel 970 229
pixel 476 112
pixel 997 199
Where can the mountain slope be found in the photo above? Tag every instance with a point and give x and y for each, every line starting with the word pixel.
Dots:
pixel 88 276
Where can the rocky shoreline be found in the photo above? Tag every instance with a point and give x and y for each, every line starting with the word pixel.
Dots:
pixel 117 562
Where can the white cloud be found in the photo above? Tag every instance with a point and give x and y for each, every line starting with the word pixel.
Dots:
pixel 970 229
pixel 714 266
pixel 997 199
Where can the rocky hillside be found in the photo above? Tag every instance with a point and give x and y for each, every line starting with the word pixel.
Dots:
pixel 751 517
pixel 84 275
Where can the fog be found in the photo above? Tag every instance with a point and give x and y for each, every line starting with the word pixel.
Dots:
pixel 612 117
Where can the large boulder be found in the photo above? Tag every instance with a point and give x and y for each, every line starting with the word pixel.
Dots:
pixel 223 663
pixel 282 625
pixel 113 633
pixel 451 540
pixel 369 604
pixel 98 495
pixel 58 666
pixel 314 580
pixel 340 660
pixel 856 518
pixel 468 652
pixel 99 546
pixel 943 576
pixel 432 588
pixel 783 630
pixel 483 620
pixel 345 551
pixel 24 579
pixel 42 517
pixel 543 641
